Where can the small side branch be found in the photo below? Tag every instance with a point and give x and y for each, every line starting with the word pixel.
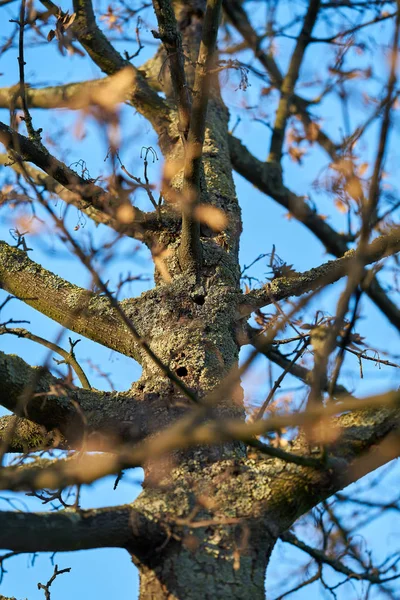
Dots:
pixel 145 225
pixel 69 357
pixel 289 82
pixel 172 40
pixel 322 557
pixel 268 179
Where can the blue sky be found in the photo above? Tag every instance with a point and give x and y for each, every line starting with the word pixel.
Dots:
pixel 105 573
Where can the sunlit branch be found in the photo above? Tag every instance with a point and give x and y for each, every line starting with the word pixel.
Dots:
pixel 322 557
pixel 145 226
pixel 370 210
pixel 359 433
pixel 301 283
pixel 75 308
pixel 69 357
pixel 239 18
pixel 106 57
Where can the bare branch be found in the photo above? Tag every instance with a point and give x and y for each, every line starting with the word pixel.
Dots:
pixel 322 557
pixel 117 527
pixel 55 405
pixel 69 357
pixel 145 226
pixel 268 179
pixel 301 283
pixel 360 433
pixel 289 82
pixel 172 41
pixel 104 55
pixel 300 372
pixel 73 307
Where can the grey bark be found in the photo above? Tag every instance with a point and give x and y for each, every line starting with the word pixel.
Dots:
pixel 208 517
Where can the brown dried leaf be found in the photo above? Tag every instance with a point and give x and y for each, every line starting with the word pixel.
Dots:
pixel 68 20
pixel 341 206
pixel 344 166
pixel 114 90
pixel 212 216
pixel 296 154
pixel 159 259
pixel 362 168
pixel 353 188
pixel 125 214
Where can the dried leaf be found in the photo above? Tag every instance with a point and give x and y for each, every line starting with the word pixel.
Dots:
pixel 159 258
pixel 296 154
pixel 353 188
pixel 108 94
pixel 344 166
pixel 362 168
pixel 312 131
pixel 212 216
pixel 341 206
pixel 68 20
pixel 125 214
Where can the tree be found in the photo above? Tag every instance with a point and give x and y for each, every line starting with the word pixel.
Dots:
pixel 219 490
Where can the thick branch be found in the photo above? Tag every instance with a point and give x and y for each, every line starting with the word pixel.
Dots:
pixel 378 419
pixel 106 57
pixel 27 436
pixel 117 527
pixel 268 179
pixel 33 392
pixel 28 150
pixel 74 97
pixel 73 307
pixel 301 283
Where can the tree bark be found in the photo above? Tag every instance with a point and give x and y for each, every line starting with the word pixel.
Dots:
pixel 185 574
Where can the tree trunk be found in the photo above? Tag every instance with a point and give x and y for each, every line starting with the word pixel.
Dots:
pixel 184 574
pixel 210 561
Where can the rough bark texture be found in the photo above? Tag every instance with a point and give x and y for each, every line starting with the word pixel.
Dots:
pixel 209 516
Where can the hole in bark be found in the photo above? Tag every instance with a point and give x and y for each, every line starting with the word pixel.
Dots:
pixel 182 371
pixel 199 299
